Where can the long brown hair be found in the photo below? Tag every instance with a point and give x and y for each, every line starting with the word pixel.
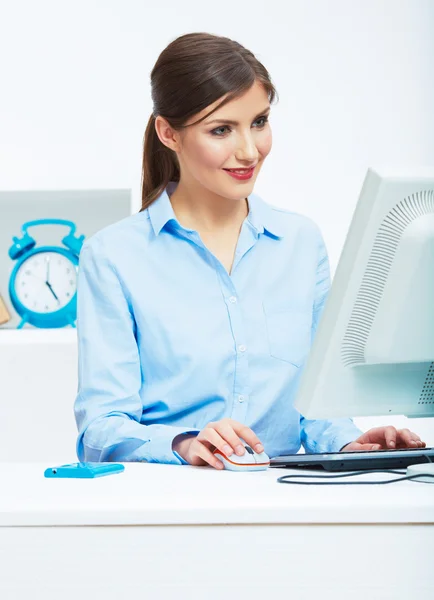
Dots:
pixel 191 73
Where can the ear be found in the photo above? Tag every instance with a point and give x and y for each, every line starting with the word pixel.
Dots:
pixel 167 135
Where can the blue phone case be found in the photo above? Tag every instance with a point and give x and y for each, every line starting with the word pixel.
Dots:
pixel 84 470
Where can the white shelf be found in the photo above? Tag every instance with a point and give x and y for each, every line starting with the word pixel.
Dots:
pixel 66 335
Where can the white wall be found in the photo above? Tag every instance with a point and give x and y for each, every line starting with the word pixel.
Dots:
pixel 355 80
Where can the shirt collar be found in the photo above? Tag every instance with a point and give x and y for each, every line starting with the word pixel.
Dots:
pixel 262 217
pixel 161 211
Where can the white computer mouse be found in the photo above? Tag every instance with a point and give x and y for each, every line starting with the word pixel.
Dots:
pixel 249 461
pixel 425 470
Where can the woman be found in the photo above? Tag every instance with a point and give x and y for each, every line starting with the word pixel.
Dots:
pixel 195 315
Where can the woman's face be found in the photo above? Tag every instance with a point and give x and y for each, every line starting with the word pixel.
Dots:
pixel 208 149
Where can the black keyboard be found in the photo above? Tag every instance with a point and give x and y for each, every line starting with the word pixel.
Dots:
pixel 395 458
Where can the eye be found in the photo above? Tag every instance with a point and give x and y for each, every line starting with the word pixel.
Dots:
pixel 264 120
pixel 215 131
pixel 220 131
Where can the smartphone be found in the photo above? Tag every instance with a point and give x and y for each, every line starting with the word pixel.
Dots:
pixel 84 470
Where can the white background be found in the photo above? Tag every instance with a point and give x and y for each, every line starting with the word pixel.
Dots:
pixel 355 81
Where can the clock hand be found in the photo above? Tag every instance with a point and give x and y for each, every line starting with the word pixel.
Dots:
pixel 52 291
pixel 47 258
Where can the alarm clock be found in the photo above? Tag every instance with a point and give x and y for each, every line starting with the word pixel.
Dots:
pixel 43 283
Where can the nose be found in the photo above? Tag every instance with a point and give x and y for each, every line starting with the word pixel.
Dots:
pixel 246 150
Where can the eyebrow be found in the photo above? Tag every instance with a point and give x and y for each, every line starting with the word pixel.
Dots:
pixel 230 122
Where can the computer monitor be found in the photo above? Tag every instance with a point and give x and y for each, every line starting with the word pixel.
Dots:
pixel 373 353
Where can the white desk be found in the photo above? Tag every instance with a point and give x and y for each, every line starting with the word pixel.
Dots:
pixel 163 531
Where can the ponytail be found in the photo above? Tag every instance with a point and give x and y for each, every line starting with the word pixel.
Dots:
pixel 159 165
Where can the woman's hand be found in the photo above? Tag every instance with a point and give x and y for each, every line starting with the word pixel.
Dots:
pixel 224 435
pixel 385 437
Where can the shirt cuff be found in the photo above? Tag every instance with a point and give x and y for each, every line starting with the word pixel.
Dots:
pixel 183 462
pixel 345 437
pixel 190 432
pixel 158 448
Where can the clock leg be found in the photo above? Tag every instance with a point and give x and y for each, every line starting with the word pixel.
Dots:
pixel 71 322
pixel 23 322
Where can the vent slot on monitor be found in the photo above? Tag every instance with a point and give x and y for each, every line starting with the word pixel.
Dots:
pixel 376 273
pixel 427 393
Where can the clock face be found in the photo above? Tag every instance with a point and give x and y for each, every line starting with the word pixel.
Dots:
pixel 46 282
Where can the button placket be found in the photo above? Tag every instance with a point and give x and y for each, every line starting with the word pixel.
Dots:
pixel 240 391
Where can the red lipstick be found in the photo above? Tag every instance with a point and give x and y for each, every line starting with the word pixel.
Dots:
pixel 241 174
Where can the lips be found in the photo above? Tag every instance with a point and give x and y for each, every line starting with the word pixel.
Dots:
pixel 242 171
pixel 241 174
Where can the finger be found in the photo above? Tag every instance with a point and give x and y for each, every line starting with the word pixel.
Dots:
pixel 202 452
pixel 415 441
pixel 416 438
pixel 359 447
pixel 248 436
pixel 212 436
pixel 371 447
pixel 390 436
pixel 405 439
pixel 226 431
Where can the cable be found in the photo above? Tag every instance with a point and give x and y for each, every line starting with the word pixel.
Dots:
pixel 285 478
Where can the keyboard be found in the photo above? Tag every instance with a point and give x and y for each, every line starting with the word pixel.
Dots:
pixel 355 461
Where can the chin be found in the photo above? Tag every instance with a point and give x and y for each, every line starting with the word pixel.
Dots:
pixel 238 190
pixel 237 195
pixel 232 190
pixel 242 190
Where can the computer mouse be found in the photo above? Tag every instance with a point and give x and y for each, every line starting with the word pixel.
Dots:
pixel 425 470
pixel 249 461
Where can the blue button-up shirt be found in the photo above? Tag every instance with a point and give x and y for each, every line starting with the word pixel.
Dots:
pixel 169 340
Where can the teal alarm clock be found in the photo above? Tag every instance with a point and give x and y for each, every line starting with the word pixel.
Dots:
pixel 43 283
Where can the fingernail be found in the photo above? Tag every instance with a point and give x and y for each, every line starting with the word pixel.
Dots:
pixel 219 465
pixel 391 443
pixel 240 450
pixel 227 450
pixel 259 448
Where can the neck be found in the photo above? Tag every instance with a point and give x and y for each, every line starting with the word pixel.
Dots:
pixel 200 209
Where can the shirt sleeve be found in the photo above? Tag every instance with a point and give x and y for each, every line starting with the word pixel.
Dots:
pixel 108 406
pixel 325 435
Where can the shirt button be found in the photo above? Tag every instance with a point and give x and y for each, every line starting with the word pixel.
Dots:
pixel 241 398
pixel 242 348
pixel 232 299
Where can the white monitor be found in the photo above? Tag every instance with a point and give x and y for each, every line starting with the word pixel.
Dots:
pixel 373 353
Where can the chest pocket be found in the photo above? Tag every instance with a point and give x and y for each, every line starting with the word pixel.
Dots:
pixel 288 332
